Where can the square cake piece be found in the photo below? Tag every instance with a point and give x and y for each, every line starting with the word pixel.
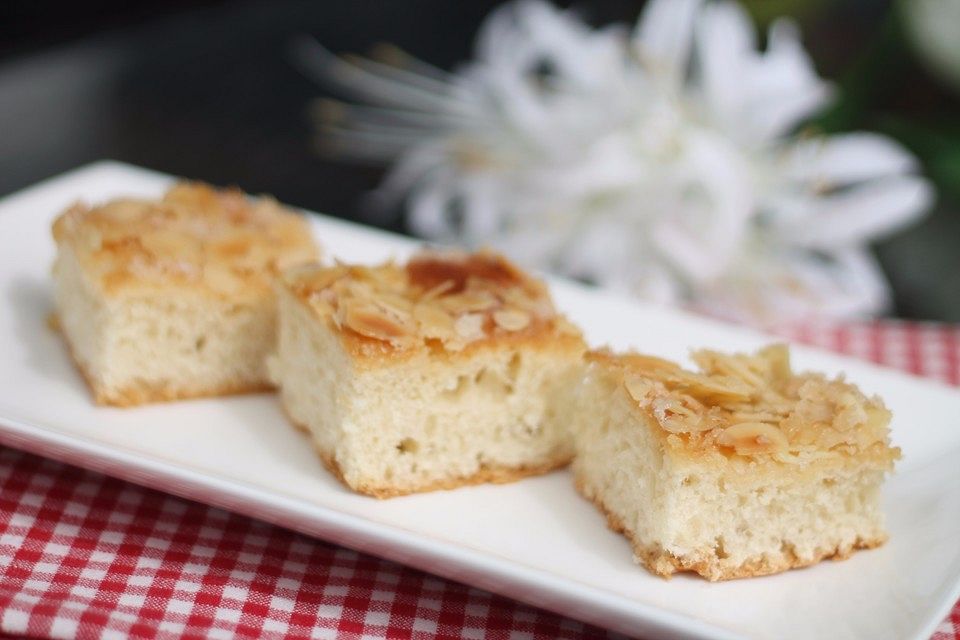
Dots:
pixel 741 469
pixel 424 376
pixel 173 298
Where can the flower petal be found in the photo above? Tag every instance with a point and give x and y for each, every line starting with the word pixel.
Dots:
pixel 847 158
pixel 531 246
pixel 868 291
pixel 656 284
pixel 709 206
pixel 850 283
pixel 428 204
pixel 481 208
pixel 373 82
pixel 861 213
pixel 725 39
pixel 755 96
pixel 605 252
pixel 782 87
pixel 797 285
pixel 664 36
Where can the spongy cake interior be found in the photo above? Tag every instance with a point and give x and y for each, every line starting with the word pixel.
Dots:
pixel 135 349
pixel 424 421
pixel 746 469
pixel 721 521
pixel 169 298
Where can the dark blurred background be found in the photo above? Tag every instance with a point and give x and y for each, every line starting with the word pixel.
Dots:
pixel 208 90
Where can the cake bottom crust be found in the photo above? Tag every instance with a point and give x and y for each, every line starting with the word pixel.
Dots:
pixel 499 474
pixel 134 395
pixel 707 563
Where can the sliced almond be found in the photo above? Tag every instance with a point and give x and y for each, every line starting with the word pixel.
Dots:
pixel 751 438
pixel 566 327
pixel 395 303
pixel 469 326
pixel 682 414
pixel 433 321
pixel 778 359
pixel 369 320
pixel 511 319
pixel 706 388
pixel 747 370
pixel 454 298
pixel 438 290
pixel 640 389
pixel 650 365
pixel 469 301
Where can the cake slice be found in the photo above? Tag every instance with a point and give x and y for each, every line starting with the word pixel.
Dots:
pixel 173 298
pixel 428 375
pixel 741 469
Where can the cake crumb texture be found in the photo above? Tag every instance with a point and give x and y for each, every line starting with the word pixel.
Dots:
pixel 172 298
pixel 742 468
pixel 433 374
pixel 217 241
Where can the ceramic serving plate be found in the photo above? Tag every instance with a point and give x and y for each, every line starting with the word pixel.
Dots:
pixel 534 540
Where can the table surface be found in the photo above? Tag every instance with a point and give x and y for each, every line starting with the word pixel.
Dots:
pixel 83 555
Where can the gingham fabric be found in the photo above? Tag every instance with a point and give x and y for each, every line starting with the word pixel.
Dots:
pixel 86 556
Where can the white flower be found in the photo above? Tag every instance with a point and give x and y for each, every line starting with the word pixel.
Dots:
pixel 663 162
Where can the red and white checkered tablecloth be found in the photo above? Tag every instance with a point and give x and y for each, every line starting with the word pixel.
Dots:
pixel 86 556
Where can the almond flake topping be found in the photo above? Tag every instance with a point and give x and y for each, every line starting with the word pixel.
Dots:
pixel 755 405
pixel 511 319
pixel 195 235
pixel 453 298
pixel 748 438
pixel 469 326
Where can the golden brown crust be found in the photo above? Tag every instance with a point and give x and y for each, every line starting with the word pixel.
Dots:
pixel 219 242
pixel 707 563
pixel 135 395
pixel 442 304
pixel 752 408
pixel 146 394
pixel 501 474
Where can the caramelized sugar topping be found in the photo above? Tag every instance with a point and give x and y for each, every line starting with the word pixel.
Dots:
pixel 427 271
pixel 754 405
pixel 444 299
pixel 220 240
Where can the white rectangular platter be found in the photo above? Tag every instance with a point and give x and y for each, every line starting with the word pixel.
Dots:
pixel 534 540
